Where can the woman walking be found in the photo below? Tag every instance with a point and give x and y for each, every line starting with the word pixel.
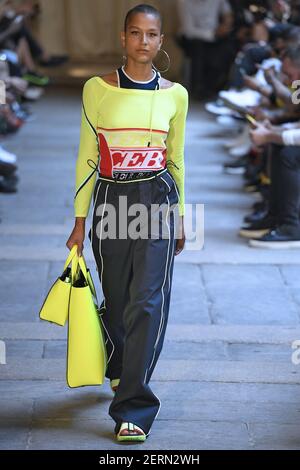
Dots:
pixel 132 135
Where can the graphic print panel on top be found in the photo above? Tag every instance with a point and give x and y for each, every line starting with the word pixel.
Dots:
pixel 135 154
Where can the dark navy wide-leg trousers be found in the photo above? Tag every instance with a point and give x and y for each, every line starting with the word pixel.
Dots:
pixel 136 277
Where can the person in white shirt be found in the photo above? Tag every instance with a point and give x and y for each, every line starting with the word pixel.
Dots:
pixel 285 168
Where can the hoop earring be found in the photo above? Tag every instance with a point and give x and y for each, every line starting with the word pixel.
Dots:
pixel 169 60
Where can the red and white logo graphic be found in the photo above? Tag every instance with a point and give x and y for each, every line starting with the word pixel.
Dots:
pixel 143 159
pixel 130 159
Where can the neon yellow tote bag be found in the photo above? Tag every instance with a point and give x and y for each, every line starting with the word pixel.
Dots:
pixel 86 354
pixel 56 304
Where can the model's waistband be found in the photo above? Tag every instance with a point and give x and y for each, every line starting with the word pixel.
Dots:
pixel 132 177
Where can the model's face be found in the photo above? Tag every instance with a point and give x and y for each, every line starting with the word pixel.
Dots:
pixel 142 39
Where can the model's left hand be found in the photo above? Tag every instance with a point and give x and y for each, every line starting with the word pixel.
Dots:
pixel 181 239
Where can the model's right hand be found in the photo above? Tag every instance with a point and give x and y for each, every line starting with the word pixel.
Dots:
pixel 77 237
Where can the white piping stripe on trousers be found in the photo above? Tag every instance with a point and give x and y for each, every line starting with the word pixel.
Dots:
pixel 162 291
pixel 169 273
pixel 174 243
pixel 178 202
pixel 92 230
pixel 174 185
pixel 102 266
pixel 166 183
pixel 169 278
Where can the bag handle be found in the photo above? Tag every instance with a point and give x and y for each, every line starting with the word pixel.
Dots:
pixel 78 260
pixel 82 264
pixel 74 266
pixel 73 256
pixel 70 257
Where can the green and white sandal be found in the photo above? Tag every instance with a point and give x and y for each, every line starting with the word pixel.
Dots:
pixel 132 434
pixel 114 384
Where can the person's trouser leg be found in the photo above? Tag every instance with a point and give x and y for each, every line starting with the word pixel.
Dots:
pixel 198 69
pixel 145 319
pixel 35 49
pixel 220 56
pixel 150 264
pixel 275 186
pixel 289 167
pixel 113 259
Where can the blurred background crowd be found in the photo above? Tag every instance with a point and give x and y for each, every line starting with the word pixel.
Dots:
pixel 245 64
pixel 21 59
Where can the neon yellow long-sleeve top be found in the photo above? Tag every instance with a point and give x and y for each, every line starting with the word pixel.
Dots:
pixel 125 130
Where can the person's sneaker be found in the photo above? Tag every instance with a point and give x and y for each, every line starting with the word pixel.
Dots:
pixel 239 140
pixel 278 238
pixel 35 78
pixel 241 150
pixel 256 206
pixel 218 108
pixel 259 229
pixel 7 186
pixel 12 179
pixel 131 432
pixel 237 167
pixel 7 169
pixel 240 98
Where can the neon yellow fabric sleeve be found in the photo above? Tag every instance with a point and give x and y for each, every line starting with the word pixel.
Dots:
pixel 175 144
pixel 88 149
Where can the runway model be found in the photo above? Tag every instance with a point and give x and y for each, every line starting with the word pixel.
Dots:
pixel 132 135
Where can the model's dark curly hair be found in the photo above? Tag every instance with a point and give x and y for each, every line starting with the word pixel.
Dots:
pixel 143 8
